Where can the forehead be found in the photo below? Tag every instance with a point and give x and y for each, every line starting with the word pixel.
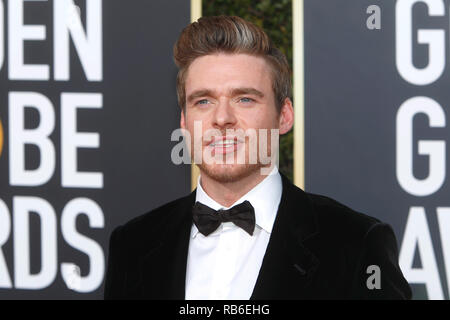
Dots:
pixel 224 71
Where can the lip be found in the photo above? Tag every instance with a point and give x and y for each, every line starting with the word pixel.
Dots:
pixel 219 147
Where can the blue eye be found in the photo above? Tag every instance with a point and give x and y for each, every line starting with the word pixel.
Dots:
pixel 203 101
pixel 245 99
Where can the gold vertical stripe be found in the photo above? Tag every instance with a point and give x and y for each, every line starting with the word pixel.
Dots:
pixel 299 93
pixel 196 12
pixel 298 86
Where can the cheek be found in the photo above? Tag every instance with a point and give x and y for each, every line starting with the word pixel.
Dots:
pixel 261 119
pixel 199 122
pixel 196 128
pixel 190 120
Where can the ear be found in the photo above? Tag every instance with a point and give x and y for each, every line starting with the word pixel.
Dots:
pixel 286 120
pixel 182 120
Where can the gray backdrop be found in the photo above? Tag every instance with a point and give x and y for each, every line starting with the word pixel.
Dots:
pixel 134 118
pixel 354 91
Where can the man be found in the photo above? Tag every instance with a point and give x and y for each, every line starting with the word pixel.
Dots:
pixel 244 234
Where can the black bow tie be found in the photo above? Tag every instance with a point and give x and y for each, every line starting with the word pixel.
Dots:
pixel 208 220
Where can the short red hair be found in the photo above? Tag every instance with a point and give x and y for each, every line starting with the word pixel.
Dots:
pixel 230 34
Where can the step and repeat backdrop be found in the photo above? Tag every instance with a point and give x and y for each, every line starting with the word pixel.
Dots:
pixel 376 122
pixel 87 108
pixel 88 105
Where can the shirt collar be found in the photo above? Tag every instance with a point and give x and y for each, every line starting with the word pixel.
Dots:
pixel 264 197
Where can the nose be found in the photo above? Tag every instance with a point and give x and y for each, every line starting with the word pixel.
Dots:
pixel 224 116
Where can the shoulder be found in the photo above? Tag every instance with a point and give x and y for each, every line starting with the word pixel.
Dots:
pixel 155 216
pixel 349 228
pixel 328 216
pixel 149 226
pixel 331 212
pixel 353 242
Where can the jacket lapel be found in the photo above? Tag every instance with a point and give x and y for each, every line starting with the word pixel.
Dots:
pixel 288 265
pixel 287 268
pixel 164 264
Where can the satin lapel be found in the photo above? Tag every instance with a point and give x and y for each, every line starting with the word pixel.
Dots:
pixel 288 265
pixel 164 265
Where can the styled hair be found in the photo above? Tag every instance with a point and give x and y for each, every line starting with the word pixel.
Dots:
pixel 230 34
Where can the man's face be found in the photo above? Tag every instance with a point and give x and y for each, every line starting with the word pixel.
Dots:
pixel 227 92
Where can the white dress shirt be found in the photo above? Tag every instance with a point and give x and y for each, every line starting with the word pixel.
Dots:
pixel 226 263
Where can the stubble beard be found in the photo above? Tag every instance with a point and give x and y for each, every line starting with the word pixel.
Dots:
pixel 223 172
pixel 226 173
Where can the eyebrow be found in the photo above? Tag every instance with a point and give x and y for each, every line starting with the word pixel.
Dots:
pixel 253 91
pixel 233 92
pixel 199 93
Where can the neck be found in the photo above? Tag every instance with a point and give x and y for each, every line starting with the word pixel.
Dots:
pixel 227 193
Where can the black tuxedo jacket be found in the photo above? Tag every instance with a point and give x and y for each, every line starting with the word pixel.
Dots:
pixel 318 249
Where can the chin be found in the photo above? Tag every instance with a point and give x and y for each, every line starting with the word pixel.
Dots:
pixel 229 172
